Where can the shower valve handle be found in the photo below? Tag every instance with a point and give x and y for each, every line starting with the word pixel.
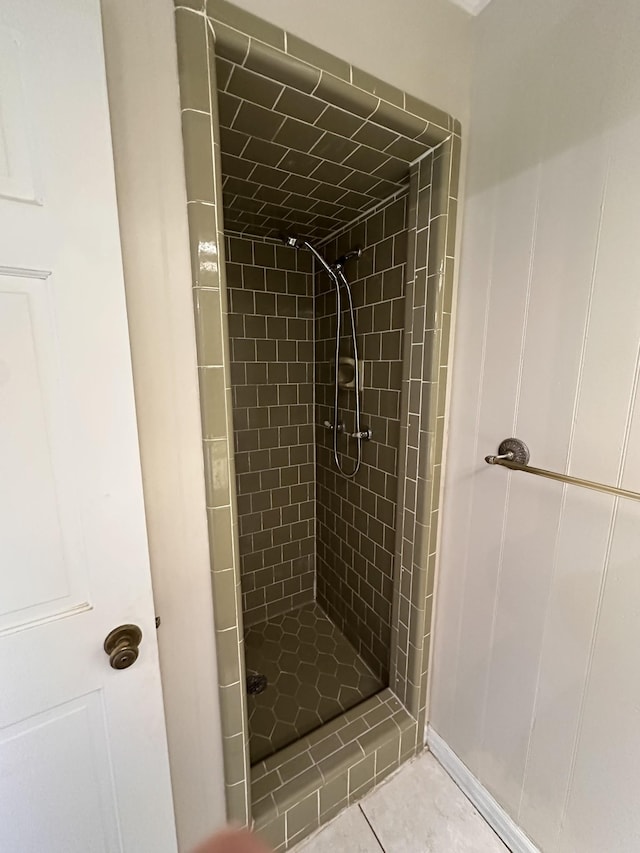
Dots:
pixel 363 435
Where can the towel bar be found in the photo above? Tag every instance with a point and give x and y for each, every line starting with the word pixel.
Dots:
pixel 514 454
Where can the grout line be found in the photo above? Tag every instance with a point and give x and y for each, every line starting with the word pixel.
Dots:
pixel 527 302
pixel 396 194
pixel 285 52
pixel 614 508
pixel 587 681
pixel 587 323
pixel 369 824
pixel 227 404
pixel 572 433
pixel 541 655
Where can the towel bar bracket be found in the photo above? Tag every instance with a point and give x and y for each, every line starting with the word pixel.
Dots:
pixel 513 450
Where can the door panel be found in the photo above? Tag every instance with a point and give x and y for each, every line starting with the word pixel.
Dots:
pixel 83 758
pixel 81 814
pixel 38 520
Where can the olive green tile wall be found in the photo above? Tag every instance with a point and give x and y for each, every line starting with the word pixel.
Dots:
pixel 311 781
pixel 357 517
pixel 246 40
pixel 272 365
pixel 202 161
pixel 432 215
pixel 296 162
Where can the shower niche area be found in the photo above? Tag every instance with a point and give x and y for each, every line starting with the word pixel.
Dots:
pixel 321 207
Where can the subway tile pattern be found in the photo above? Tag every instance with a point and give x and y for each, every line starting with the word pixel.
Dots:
pixel 313 675
pixel 357 517
pixel 294 162
pixel 289 811
pixel 432 217
pixel 311 781
pixel 204 206
pixel 305 149
pixel 271 338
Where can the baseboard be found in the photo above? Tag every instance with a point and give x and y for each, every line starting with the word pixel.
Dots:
pixel 510 833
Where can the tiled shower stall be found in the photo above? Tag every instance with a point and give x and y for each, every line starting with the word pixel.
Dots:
pixel 322 583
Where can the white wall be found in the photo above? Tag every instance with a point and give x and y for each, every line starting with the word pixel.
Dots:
pixel 421 46
pixel 537 650
pixel 142 77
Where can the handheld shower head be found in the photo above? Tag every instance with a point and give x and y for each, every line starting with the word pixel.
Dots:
pixel 292 241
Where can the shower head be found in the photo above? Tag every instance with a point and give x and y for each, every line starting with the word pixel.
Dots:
pixel 298 243
pixel 342 260
pixel 292 241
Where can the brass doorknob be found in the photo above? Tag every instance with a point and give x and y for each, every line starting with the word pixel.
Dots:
pixel 122 646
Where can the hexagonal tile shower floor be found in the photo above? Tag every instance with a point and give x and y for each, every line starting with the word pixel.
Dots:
pixel 313 675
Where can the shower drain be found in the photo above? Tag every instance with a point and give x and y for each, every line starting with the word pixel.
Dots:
pixel 256 683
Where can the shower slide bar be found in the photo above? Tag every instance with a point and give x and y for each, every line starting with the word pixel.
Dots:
pixel 514 454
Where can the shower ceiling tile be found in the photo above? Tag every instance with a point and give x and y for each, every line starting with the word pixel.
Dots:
pixel 298 135
pixel 378 87
pixel 228 106
pixel 235 167
pixel 360 182
pixel 232 141
pixel 268 176
pixel 345 214
pixel 375 136
pixel 300 163
pixel 249 205
pixel 327 192
pixel 405 149
pixel 343 95
pixel 254 87
pixel 339 121
pixel 297 184
pixel 290 71
pixel 261 151
pixel 306 163
pixel 331 173
pixel 396 119
pixel 358 201
pixel 238 186
pixel 233 46
pixel 301 203
pixel 256 121
pixel 392 170
pixel 383 190
pixel 315 56
pixel 223 72
pixel 366 159
pixel 272 195
pixel 335 148
pixel 298 105
pixel 326 208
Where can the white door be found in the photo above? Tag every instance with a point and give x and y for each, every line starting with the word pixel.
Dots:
pixel 83 758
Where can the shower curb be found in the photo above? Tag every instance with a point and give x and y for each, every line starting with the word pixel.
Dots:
pixel 310 782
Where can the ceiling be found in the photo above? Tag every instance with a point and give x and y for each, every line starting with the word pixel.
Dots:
pixel 294 162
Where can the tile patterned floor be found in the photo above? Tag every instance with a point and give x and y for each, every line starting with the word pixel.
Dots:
pixel 313 675
pixel 419 810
